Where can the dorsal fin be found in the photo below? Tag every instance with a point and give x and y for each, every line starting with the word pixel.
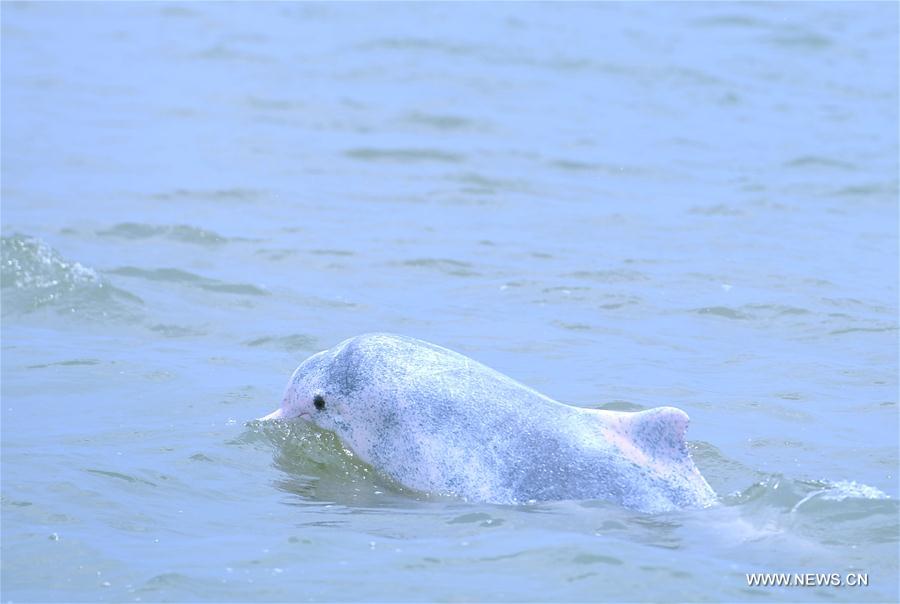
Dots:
pixel 659 432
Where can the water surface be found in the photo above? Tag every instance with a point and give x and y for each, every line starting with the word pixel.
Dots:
pixel 621 205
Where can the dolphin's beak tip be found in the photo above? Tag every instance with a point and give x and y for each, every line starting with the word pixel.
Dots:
pixel 277 414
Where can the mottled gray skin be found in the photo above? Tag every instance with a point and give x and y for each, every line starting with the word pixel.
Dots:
pixel 437 421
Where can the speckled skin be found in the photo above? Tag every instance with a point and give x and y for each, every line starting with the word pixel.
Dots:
pixel 437 421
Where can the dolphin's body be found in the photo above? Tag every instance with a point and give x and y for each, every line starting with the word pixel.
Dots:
pixel 437 421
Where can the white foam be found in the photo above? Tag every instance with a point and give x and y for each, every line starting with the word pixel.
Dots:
pixel 841 490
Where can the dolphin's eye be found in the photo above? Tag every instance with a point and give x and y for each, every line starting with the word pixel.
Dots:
pixel 319 402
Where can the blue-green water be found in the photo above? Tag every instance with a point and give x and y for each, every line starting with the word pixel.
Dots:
pixel 621 205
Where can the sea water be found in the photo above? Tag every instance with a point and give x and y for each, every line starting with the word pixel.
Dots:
pixel 621 205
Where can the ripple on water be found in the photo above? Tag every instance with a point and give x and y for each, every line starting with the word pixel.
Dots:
pixel 720 209
pixel 724 312
pixel 179 232
pixel 732 22
pixel 235 194
pixel 331 252
pixel 120 476
pixel 819 162
pixel 800 40
pixel 606 169
pixel 596 559
pixel 808 322
pixel 177 331
pixel 884 328
pixel 884 190
pixel 275 104
pixel 290 343
pixel 275 254
pixel 173 586
pixel 175 275
pixel 482 519
pixel 442 122
pixel 753 311
pixel 404 43
pixel 403 155
pixel 447 266
pixel 479 183
pixel 69 363
pixel 608 276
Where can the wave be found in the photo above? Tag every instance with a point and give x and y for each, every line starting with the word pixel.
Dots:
pixel 793 495
pixel 290 343
pixel 447 266
pixel 826 512
pixel 178 232
pixel 404 155
pixel 35 276
pixel 812 321
pixel 175 275
pixel 228 195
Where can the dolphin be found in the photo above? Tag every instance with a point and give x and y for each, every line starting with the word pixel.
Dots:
pixel 439 422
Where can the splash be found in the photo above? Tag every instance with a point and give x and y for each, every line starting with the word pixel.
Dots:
pixel 36 276
pixel 841 490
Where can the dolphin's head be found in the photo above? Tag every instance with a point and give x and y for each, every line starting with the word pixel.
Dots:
pixel 305 394
pixel 325 390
